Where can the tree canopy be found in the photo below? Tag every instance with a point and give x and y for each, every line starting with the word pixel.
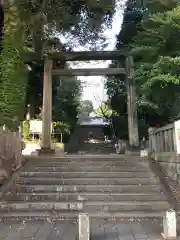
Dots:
pixel 80 21
pixel 46 26
pixel 151 33
pixel 156 48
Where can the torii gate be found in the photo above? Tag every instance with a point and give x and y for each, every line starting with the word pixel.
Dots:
pixel 63 56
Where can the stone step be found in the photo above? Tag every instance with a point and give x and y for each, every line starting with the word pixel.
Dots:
pixel 97 147
pixel 96 196
pixel 86 188
pixel 92 158
pixel 88 157
pixel 85 174
pixel 95 157
pixel 87 169
pixel 66 215
pixel 100 150
pixel 89 163
pixel 85 206
pixel 86 181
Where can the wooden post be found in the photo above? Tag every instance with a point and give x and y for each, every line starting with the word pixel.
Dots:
pixel 47 106
pixel 131 104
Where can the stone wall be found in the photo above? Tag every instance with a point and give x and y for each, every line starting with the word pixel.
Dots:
pixel 10 154
pixel 170 163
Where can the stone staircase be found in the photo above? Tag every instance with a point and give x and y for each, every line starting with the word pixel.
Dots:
pixel 79 141
pixel 97 148
pixel 103 186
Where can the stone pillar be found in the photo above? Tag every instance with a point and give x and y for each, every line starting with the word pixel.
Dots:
pixel 131 104
pixel 47 106
pixel 84 227
pixel 169 225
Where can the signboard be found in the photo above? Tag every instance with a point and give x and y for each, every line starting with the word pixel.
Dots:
pixel 35 126
pixel 177 135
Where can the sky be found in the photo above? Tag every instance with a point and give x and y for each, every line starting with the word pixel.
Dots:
pixel 94 86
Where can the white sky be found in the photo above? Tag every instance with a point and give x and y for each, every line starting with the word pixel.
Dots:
pixel 94 90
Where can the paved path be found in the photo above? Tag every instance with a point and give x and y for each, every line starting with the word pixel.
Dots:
pixel 68 230
pixel 30 147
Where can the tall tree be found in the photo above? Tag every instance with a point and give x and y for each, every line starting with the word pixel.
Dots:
pixel 151 36
pixel 39 24
pixel 157 48
pixel 66 99
pixel 80 21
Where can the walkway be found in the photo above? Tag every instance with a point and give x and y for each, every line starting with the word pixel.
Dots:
pixel 68 230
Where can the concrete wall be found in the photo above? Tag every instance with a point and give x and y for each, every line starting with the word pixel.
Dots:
pixel 10 154
pixel 170 163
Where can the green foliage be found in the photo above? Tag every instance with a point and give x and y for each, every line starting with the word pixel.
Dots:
pixel 66 98
pixel 157 68
pixel 154 43
pixel 34 95
pixel 80 21
pixel 36 26
pixel 13 80
pixel 25 129
pixel 61 127
pixel 62 131
pixel 104 111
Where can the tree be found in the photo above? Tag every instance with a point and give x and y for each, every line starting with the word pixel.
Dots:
pixel 34 94
pixel 85 108
pixel 80 21
pixel 39 24
pixel 66 95
pixel 157 48
pixel 151 35
pixel 13 80
pixel 66 99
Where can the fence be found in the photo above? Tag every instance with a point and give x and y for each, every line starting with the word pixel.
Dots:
pixel 162 140
pixel 164 148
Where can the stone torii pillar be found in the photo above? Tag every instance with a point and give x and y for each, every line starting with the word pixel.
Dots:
pixel 47 107
pixel 131 104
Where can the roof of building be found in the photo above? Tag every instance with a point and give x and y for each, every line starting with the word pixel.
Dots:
pixel 95 121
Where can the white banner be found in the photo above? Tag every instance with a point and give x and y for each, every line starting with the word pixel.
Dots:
pixel 35 126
